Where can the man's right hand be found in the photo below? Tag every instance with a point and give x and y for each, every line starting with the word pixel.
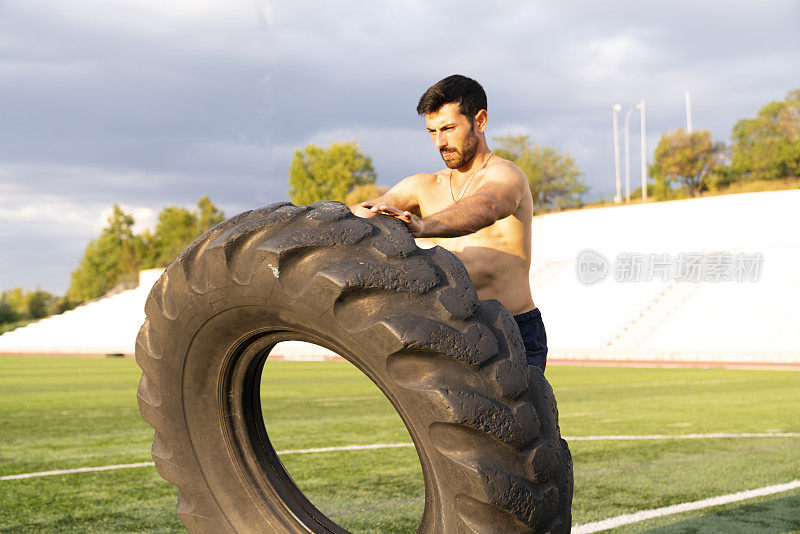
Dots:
pixel 360 211
pixel 387 209
pixel 402 194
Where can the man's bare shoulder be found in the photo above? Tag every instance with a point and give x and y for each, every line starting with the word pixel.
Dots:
pixel 422 178
pixel 503 170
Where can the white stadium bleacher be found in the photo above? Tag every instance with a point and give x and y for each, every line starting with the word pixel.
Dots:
pixel 757 316
pixel 108 325
pixel 753 321
pixel 709 319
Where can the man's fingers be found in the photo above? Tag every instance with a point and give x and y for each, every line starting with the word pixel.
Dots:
pixel 388 209
pixel 391 210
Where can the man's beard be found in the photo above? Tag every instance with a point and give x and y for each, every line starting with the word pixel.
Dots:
pixel 464 155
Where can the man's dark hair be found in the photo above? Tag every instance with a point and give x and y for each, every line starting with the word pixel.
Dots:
pixel 466 92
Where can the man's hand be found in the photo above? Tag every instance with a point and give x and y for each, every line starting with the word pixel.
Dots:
pixel 414 225
pixel 388 209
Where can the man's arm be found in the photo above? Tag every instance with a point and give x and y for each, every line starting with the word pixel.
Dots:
pixel 497 198
pixel 402 196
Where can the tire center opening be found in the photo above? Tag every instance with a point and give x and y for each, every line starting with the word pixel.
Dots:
pixel 340 440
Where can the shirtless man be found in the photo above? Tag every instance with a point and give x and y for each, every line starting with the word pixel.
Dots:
pixel 479 208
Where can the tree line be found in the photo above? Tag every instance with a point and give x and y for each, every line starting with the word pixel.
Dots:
pixel 115 257
pixel 118 254
pixel 763 148
pixel 19 306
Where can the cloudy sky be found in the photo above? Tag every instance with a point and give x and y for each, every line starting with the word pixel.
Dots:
pixel 147 103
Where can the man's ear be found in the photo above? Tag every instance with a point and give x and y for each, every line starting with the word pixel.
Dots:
pixel 481 118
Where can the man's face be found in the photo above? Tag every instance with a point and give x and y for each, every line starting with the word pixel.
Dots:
pixel 453 136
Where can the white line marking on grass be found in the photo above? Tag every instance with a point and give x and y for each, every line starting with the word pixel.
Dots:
pixel 77 470
pixel 650 384
pixel 151 464
pixel 348 448
pixel 396 445
pixel 685 436
pixel 627 519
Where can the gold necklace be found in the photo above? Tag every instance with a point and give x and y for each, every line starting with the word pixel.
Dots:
pixel 471 176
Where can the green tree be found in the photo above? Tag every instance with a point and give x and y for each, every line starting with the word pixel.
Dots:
pixel 38 303
pixel 60 305
pixel 118 254
pixel 176 228
pixel 328 174
pixel 662 189
pixel 554 178
pixel 208 215
pixel 688 158
pixel 17 300
pixel 146 249
pixel 768 146
pixel 18 304
pixel 105 259
pixel 7 312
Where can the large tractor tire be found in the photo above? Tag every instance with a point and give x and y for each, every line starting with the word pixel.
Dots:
pixel 484 424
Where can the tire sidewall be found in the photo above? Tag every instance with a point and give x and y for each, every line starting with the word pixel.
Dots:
pixel 218 337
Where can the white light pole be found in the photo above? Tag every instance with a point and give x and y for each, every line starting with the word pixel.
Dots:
pixel 640 107
pixel 616 108
pixel 627 156
pixel 688 113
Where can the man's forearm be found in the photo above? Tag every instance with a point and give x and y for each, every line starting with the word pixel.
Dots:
pixel 466 217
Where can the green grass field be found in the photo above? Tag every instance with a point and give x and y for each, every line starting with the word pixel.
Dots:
pixel 62 413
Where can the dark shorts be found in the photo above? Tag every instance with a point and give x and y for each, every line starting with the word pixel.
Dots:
pixel 534 337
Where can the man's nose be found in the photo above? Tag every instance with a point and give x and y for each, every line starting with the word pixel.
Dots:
pixel 439 139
